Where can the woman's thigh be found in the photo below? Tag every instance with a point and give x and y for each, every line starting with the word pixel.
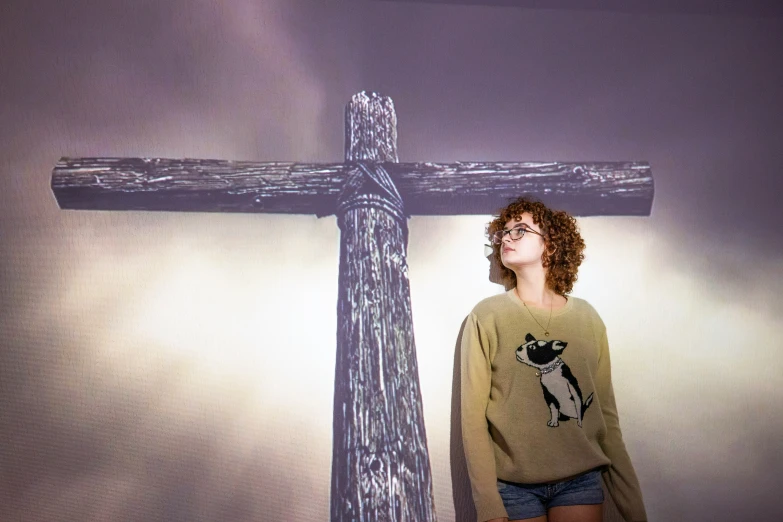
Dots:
pixel 537 519
pixel 587 513
pixel 583 513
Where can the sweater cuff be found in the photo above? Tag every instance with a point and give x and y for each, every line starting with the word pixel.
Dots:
pixel 490 508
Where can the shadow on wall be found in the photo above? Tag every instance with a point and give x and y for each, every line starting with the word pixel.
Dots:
pixel 464 509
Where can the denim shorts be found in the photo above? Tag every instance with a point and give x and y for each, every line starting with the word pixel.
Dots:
pixel 532 500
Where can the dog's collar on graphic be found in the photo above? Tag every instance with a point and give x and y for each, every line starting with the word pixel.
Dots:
pixel 552 367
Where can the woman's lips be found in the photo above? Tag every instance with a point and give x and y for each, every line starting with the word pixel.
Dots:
pixel 507 249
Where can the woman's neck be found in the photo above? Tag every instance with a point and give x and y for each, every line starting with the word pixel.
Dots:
pixel 533 290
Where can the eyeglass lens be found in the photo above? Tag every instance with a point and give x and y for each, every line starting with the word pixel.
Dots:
pixel 515 233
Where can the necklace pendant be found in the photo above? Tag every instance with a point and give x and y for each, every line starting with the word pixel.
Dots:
pixel 546 334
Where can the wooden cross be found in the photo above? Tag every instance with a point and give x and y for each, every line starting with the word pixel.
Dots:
pixel 380 462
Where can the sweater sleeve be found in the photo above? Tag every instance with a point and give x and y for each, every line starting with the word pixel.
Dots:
pixel 620 478
pixel 475 374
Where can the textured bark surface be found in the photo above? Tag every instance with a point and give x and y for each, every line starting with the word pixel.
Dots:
pixel 370 128
pixel 191 185
pixel 380 462
pixel 583 189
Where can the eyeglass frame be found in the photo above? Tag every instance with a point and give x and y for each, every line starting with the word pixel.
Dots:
pixel 499 235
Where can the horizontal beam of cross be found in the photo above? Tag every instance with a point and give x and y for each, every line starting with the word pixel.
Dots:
pixel 195 185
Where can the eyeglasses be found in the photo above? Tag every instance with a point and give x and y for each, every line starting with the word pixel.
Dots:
pixel 515 234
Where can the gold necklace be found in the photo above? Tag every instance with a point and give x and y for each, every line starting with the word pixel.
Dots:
pixel 546 330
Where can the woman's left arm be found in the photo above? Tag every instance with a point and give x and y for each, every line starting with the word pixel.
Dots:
pixel 620 479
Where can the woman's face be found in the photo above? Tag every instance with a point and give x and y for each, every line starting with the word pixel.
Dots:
pixel 527 250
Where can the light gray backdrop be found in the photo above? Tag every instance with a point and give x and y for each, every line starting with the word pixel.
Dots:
pixel 180 366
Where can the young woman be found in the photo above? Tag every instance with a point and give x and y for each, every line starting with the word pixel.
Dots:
pixel 539 421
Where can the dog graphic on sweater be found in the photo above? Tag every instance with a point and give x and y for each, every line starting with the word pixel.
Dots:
pixel 561 391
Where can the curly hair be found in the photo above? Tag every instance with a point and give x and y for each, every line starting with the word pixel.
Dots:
pixel 560 231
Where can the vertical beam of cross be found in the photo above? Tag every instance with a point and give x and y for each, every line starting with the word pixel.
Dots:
pixel 380 462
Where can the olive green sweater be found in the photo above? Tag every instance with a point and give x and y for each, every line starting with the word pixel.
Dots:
pixel 539 408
